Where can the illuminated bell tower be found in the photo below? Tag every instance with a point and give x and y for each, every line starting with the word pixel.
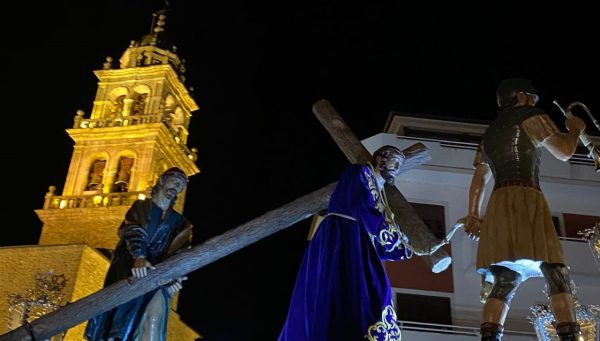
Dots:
pixel 137 129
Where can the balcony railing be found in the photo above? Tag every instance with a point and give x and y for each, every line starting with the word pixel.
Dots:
pixel 571 239
pixel 91 200
pixel 117 121
pixel 445 329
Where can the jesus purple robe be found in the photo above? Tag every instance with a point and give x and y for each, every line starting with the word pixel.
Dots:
pixel 342 291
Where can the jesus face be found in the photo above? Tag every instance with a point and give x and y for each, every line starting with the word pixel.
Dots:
pixel 389 166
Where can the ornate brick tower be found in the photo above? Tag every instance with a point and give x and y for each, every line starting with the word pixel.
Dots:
pixel 138 127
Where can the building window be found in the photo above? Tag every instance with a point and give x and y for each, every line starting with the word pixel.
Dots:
pixel 421 308
pixel 95 175
pixel 574 223
pixel 442 136
pixel 117 105
pixel 139 104
pixel 123 174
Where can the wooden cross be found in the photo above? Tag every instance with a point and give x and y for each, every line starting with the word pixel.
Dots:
pixel 214 249
pixel 404 214
pixel 174 267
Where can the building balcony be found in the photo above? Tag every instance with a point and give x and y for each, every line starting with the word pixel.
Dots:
pixel 91 219
pixel 115 121
pixel 91 200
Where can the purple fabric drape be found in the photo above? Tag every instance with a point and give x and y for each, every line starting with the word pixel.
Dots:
pixel 342 291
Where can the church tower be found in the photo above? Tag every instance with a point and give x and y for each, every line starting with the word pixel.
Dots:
pixel 137 128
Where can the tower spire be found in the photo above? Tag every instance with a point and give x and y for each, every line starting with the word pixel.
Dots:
pixel 154 48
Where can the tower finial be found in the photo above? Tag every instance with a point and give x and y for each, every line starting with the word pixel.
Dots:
pixel 160 24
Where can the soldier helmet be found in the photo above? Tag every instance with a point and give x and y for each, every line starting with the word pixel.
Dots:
pixel 507 90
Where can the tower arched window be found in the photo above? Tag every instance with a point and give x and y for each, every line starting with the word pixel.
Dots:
pixel 117 105
pixel 169 104
pixel 95 175
pixel 178 117
pixel 139 104
pixel 123 174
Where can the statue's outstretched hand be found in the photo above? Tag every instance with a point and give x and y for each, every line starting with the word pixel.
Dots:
pixel 472 226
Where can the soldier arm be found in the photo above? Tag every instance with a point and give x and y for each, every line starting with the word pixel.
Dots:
pixel 543 132
pixel 481 176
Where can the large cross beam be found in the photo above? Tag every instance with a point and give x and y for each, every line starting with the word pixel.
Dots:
pixel 405 215
pixel 182 263
pixel 179 265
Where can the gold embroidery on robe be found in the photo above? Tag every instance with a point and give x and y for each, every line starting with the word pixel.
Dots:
pixel 389 236
pixel 387 329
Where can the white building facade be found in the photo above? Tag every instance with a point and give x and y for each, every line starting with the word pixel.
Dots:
pixel 572 190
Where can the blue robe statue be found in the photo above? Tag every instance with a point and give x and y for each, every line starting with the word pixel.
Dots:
pixel 143 233
pixel 342 291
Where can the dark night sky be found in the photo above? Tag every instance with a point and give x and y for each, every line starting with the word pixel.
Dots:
pixel 256 70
